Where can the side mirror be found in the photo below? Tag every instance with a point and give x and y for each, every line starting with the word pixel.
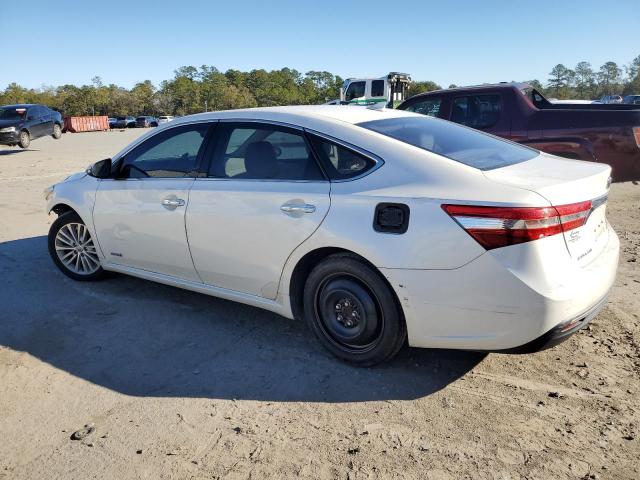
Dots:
pixel 101 169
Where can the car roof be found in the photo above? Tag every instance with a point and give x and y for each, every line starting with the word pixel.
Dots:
pixel 492 86
pixel 341 113
pixel 22 105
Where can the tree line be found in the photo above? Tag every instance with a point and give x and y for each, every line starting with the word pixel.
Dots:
pixel 193 90
pixel 583 82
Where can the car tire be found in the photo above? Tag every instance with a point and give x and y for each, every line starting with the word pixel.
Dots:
pixel 353 312
pixel 57 131
pixel 73 249
pixel 24 139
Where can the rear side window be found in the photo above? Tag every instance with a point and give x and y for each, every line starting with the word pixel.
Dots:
pixel 464 145
pixel 262 152
pixel 477 111
pixel 339 162
pixel 377 88
pixel 429 106
pixel 355 90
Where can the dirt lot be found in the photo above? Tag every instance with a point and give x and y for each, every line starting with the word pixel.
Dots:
pixel 179 385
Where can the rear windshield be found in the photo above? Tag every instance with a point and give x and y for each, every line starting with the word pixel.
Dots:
pixel 462 144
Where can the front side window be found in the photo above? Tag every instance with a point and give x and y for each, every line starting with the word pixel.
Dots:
pixel 340 162
pixel 172 153
pixel 377 88
pixel 262 152
pixel 464 145
pixel 477 111
pixel 355 90
pixel 15 113
pixel 430 106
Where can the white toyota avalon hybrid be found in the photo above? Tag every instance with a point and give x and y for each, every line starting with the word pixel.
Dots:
pixel 377 227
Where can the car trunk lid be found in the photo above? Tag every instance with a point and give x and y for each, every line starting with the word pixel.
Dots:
pixel 577 189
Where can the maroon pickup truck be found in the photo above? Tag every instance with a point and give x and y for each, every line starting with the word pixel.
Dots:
pixel 516 111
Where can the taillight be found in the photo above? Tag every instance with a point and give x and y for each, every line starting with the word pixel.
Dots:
pixel 495 227
pixel 636 134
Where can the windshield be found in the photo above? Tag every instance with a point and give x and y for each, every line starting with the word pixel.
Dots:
pixel 12 113
pixel 465 145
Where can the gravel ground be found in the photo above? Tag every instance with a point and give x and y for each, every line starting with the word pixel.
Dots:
pixel 173 384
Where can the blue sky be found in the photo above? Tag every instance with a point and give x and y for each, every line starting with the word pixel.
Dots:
pixel 462 42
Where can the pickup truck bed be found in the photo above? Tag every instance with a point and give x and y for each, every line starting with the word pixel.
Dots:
pixel 596 132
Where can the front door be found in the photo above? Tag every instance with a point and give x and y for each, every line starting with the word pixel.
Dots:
pixel 264 195
pixel 139 216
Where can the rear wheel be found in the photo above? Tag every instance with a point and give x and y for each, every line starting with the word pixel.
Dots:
pixel 25 139
pixel 73 250
pixel 57 131
pixel 353 312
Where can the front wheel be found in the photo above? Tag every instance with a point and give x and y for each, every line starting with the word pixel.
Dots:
pixel 353 312
pixel 73 250
pixel 57 132
pixel 24 140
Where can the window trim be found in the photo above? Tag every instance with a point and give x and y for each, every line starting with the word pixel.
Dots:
pixel 116 165
pixel 378 161
pixel 467 95
pixel 213 142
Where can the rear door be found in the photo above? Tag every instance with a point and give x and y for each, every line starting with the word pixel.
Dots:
pixel 140 216
pixel 264 195
pixel 36 122
pixel 46 115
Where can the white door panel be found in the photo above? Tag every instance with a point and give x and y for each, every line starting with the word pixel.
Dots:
pixel 141 224
pixel 241 232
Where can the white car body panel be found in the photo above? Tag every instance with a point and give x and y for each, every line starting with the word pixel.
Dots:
pixel 134 229
pixel 231 239
pixel 240 239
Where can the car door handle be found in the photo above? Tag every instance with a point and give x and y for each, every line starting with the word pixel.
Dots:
pixel 298 208
pixel 171 203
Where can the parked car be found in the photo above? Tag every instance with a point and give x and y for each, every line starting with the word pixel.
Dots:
pixel 125 122
pixel 146 121
pixel 594 132
pixel 373 226
pixel 21 123
pixel 632 100
pixel 610 99
pixel 165 118
pixel 112 122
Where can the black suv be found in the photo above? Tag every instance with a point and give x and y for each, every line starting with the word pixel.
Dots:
pixel 19 124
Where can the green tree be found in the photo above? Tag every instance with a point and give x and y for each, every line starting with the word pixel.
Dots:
pixel 560 80
pixel 609 78
pixel 585 80
pixel 421 87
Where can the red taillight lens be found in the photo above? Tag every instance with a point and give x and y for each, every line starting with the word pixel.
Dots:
pixel 495 227
pixel 636 134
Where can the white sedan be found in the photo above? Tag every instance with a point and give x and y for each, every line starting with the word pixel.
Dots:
pixel 375 226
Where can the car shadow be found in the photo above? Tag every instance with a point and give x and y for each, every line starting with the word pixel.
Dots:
pixel 145 339
pixel 11 152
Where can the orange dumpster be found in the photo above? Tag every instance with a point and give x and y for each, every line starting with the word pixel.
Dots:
pixel 86 124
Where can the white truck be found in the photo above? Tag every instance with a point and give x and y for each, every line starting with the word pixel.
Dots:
pixel 389 90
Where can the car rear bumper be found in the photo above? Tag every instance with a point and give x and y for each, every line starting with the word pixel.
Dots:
pixel 485 305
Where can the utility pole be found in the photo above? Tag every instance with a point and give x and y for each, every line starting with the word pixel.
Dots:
pixel 206 105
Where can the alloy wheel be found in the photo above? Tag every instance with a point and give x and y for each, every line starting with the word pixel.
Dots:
pixel 76 250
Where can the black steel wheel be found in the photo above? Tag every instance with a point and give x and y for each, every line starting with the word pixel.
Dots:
pixel 352 311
